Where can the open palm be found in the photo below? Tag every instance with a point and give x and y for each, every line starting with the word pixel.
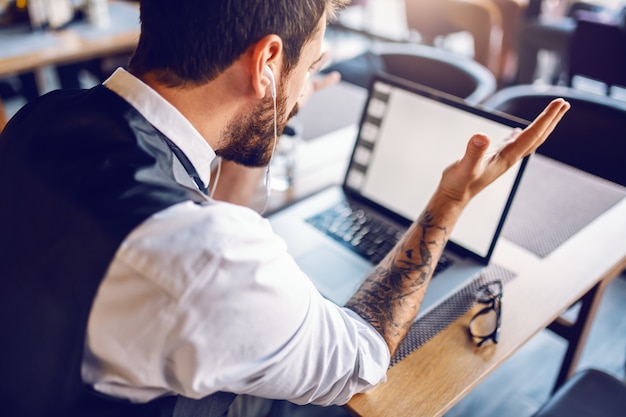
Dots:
pixel 468 176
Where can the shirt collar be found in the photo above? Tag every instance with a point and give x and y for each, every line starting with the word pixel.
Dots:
pixel 166 118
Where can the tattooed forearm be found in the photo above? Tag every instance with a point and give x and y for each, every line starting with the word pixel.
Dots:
pixel 392 293
pixel 391 296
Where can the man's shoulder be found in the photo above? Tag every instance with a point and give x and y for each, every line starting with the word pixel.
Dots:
pixel 66 112
pixel 212 228
pixel 80 100
pixel 189 240
pixel 218 220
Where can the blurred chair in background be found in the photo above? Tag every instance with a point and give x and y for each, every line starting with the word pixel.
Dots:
pixel 597 50
pixel 451 73
pixel 493 25
pixel 513 13
pixel 588 393
pixel 436 18
pixel 591 137
pixel 548 31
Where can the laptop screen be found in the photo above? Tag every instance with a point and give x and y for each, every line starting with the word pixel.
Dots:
pixel 406 139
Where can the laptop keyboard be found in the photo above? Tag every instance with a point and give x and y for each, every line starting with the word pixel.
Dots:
pixel 365 235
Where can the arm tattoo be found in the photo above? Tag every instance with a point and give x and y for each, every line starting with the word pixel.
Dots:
pixel 399 275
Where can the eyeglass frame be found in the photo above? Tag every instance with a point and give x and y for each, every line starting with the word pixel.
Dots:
pixel 493 302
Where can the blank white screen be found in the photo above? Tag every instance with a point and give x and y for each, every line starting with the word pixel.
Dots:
pixel 417 139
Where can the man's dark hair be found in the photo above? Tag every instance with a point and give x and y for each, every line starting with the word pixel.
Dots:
pixel 192 41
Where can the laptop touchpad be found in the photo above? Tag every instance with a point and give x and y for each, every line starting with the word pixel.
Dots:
pixel 337 276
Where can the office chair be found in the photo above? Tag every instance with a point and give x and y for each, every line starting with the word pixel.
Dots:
pixel 493 25
pixel 554 34
pixel 436 18
pixel 591 136
pixel 597 50
pixel 451 73
pixel 588 393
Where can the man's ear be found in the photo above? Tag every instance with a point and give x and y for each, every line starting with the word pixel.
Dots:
pixel 266 52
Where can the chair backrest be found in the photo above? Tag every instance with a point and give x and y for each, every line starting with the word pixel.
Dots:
pixel 591 136
pixel 445 71
pixel 598 51
pixel 534 8
pixel 428 17
pixel 588 393
pixel 442 70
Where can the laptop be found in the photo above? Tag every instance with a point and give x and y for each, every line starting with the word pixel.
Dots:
pixel 407 135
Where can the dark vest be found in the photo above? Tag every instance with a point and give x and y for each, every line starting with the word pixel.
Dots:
pixel 79 170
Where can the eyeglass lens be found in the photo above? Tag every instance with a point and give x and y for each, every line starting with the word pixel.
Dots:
pixel 485 325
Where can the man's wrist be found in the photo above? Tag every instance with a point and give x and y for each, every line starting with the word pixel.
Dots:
pixel 446 204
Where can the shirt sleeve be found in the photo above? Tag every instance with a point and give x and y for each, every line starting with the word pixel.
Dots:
pixel 202 299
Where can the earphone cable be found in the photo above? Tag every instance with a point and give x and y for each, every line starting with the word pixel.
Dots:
pixel 268 186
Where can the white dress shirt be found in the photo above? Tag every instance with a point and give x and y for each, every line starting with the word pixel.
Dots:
pixel 205 298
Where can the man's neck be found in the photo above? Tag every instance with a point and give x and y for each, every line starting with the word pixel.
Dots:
pixel 208 107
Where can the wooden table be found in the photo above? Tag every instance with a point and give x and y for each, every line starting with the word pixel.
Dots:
pixel 22 50
pixel 433 378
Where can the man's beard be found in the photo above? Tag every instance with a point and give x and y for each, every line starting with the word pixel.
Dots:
pixel 250 137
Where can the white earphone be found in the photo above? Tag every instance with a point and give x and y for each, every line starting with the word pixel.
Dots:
pixel 270 74
pixel 268 187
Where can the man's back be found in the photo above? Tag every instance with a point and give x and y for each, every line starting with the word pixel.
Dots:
pixel 67 183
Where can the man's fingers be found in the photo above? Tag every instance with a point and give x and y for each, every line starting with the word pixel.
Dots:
pixel 555 120
pixel 545 123
pixel 476 149
pixel 538 131
pixel 478 168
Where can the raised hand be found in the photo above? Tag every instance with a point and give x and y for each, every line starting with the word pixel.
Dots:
pixel 478 168
pixel 392 294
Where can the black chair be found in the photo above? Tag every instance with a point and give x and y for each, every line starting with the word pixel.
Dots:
pixel 591 136
pixel 588 393
pixel 554 34
pixel 451 73
pixel 597 50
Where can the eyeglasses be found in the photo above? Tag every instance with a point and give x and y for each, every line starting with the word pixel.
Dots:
pixel 485 325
